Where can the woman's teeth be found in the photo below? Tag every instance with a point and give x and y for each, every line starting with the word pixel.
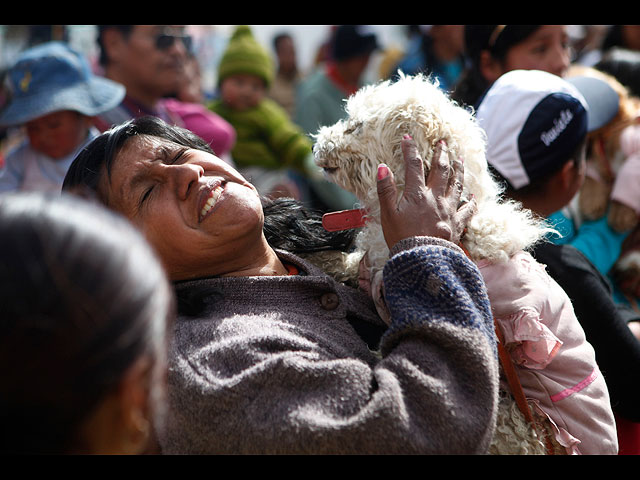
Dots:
pixel 213 198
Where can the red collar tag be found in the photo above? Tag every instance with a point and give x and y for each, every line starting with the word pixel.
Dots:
pixel 344 220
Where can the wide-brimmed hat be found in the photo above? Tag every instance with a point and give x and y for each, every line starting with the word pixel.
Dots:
pixel 52 77
pixel 535 121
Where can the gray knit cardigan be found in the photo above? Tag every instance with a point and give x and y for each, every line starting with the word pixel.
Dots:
pixel 273 365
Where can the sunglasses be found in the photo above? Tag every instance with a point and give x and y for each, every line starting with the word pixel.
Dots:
pixel 164 41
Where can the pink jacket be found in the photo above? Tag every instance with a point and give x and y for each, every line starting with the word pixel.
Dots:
pixel 555 363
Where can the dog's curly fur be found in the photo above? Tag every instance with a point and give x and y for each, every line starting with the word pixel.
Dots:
pixel 378 116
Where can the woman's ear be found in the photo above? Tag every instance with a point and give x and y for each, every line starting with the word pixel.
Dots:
pixel 135 406
pixel 121 424
pixel 568 174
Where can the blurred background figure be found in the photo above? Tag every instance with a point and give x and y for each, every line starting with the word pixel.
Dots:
pixel 436 50
pixel 149 60
pixel 624 65
pixel 622 36
pixel 586 43
pixel 321 97
pixel 190 89
pixel 82 360
pixel 287 76
pixel 269 147
pixel 153 62
pixel 188 103
pixel 54 96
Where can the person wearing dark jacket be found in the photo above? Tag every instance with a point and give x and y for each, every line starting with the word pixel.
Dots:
pixel 544 177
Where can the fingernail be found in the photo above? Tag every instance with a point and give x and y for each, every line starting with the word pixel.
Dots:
pixel 383 171
pixel 407 137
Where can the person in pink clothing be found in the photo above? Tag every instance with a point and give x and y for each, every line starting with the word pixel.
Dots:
pixel 212 128
pixel 556 365
pixel 536 125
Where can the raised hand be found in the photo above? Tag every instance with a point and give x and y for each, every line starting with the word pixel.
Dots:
pixel 428 207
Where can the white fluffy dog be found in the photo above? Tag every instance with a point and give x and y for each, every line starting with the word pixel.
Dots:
pixel 378 117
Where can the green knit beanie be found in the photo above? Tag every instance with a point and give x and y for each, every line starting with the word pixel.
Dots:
pixel 245 55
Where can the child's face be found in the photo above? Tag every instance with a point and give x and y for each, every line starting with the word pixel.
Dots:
pixel 242 91
pixel 546 49
pixel 59 133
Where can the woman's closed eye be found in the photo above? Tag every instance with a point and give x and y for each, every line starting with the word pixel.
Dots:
pixel 178 156
pixel 145 195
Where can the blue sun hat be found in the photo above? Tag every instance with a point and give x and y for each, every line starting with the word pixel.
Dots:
pixel 52 77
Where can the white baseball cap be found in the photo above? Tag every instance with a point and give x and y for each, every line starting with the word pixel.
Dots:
pixel 535 120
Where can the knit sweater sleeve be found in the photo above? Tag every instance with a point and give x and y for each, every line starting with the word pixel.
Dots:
pixel 442 338
pixel 287 382
pixel 431 281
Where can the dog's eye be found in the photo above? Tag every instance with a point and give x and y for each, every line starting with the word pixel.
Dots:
pixel 330 170
pixel 353 128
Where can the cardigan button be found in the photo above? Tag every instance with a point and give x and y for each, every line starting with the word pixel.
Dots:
pixel 329 301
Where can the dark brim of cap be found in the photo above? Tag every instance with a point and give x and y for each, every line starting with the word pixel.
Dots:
pixel 602 100
pixel 91 98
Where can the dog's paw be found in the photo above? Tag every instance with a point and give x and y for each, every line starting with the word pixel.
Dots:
pixel 594 198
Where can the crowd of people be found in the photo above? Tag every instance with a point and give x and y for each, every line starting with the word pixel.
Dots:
pixel 170 239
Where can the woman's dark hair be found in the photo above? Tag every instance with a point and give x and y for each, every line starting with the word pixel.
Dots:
pixel 291 226
pixel 96 159
pixel 82 298
pixel 497 40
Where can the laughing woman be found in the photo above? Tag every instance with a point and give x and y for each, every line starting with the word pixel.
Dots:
pixel 270 354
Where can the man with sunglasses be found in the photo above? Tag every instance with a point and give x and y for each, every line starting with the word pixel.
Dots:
pixel 151 61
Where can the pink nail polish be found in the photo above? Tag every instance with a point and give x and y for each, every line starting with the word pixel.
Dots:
pixel 407 136
pixel 383 171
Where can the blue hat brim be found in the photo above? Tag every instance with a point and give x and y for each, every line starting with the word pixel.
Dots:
pixel 602 100
pixel 90 98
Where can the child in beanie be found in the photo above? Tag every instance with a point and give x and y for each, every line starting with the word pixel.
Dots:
pixel 54 95
pixel 268 145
